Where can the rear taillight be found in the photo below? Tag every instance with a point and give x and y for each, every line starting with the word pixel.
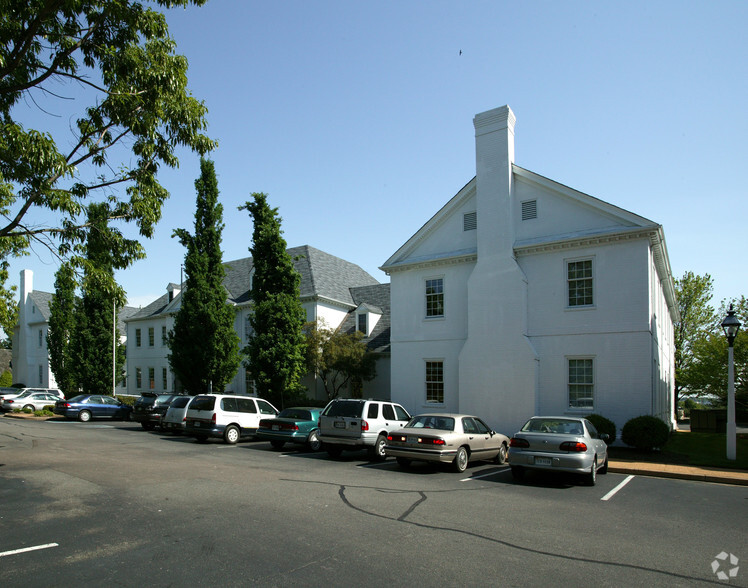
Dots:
pixel 213 418
pixel 364 425
pixel 574 446
pixel 9 401
pixel 434 441
pixel 519 443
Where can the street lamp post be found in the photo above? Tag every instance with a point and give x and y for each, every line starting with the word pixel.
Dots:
pixel 731 326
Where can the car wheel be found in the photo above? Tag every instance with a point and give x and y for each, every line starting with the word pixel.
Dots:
pixel 231 435
pixel 604 469
pixel 278 444
pixel 84 416
pixel 201 438
pixel 377 453
pixel 518 472
pixel 30 407
pixel 313 442
pixel 334 450
pixel 501 455
pixel 460 462
pixel 403 462
pixel 591 478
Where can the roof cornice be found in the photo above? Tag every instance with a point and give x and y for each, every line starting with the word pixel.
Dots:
pixel 453 258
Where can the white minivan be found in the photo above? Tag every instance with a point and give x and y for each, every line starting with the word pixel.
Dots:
pixel 226 416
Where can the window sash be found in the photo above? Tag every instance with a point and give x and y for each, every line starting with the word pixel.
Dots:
pixel 435 297
pixel 579 278
pixel 581 383
pixel 435 382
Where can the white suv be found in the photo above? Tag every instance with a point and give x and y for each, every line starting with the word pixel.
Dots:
pixel 226 416
pixel 349 423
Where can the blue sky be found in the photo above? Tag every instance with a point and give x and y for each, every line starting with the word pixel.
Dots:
pixel 356 119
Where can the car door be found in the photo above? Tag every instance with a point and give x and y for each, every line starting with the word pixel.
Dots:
pixel 95 404
pixel 109 406
pixel 477 439
pixel 601 447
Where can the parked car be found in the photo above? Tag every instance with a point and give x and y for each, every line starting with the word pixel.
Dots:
pixel 176 415
pixel 349 423
pixel 150 408
pixel 30 400
pixel 13 393
pixel 88 406
pixel 226 416
pixel 297 425
pixel 446 438
pixel 559 444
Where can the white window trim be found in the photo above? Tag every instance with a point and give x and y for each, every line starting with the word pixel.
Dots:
pixel 569 260
pixel 426 403
pixel 442 316
pixel 581 410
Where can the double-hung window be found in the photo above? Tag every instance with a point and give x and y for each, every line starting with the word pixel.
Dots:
pixel 434 382
pixel 579 280
pixel 434 297
pixel 151 337
pixel 137 337
pixel 581 383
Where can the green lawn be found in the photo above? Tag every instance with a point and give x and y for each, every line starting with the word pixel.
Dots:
pixel 707 449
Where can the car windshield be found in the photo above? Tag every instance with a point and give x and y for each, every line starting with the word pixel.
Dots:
pixel 295 413
pixel 345 408
pixel 555 426
pixel 432 422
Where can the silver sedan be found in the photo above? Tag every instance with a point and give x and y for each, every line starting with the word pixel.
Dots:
pixel 559 444
pixel 446 438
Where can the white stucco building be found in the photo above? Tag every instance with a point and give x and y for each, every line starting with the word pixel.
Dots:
pixel 333 290
pixel 522 296
pixel 30 352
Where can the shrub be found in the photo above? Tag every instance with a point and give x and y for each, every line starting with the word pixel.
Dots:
pixel 604 425
pixel 645 432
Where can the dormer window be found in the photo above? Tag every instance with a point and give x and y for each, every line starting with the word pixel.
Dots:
pixel 362 323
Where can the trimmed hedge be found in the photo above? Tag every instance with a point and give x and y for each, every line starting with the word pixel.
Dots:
pixel 645 432
pixel 604 425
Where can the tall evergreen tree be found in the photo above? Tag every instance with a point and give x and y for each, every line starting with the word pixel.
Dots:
pixel 204 346
pixel 93 336
pixel 276 346
pixel 61 329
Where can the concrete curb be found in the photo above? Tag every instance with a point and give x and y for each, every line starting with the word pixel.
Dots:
pixel 718 476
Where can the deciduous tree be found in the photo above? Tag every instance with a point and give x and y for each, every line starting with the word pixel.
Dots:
pixel 338 359
pixel 115 63
pixel 204 347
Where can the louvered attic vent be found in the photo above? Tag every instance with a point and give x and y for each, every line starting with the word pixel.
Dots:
pixel 470 221
pixel 529 210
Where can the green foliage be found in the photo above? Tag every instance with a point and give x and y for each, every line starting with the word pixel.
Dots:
pixel 707 374
pixel 6 379
pixel 645 432
pixel 62 313
pixel 337 359
pixel 276 346
pixel 93 332
pixel 697 319
pixel 604 425
pixel 132 110
pixel 204 345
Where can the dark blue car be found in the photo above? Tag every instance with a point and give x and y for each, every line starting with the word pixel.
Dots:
pixel 93 406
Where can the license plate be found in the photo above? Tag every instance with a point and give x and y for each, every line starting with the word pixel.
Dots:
pixel 197 424
pixel 276 428
pixel 412 439
pixel 340 424
pixel 542 461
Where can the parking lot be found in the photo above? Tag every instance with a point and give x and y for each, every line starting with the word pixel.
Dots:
pixel 108 503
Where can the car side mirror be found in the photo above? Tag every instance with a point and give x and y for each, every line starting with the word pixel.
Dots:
pixel 604 436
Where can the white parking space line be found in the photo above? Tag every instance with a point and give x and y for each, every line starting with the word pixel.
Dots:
pixel 493 473
pixel 25 549
pixel 613 492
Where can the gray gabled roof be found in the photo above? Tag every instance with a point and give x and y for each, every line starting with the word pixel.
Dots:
pixel 41 300
pixel 322 276
pixel 376 298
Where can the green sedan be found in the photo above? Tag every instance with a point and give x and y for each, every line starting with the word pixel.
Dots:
pixel 299 425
